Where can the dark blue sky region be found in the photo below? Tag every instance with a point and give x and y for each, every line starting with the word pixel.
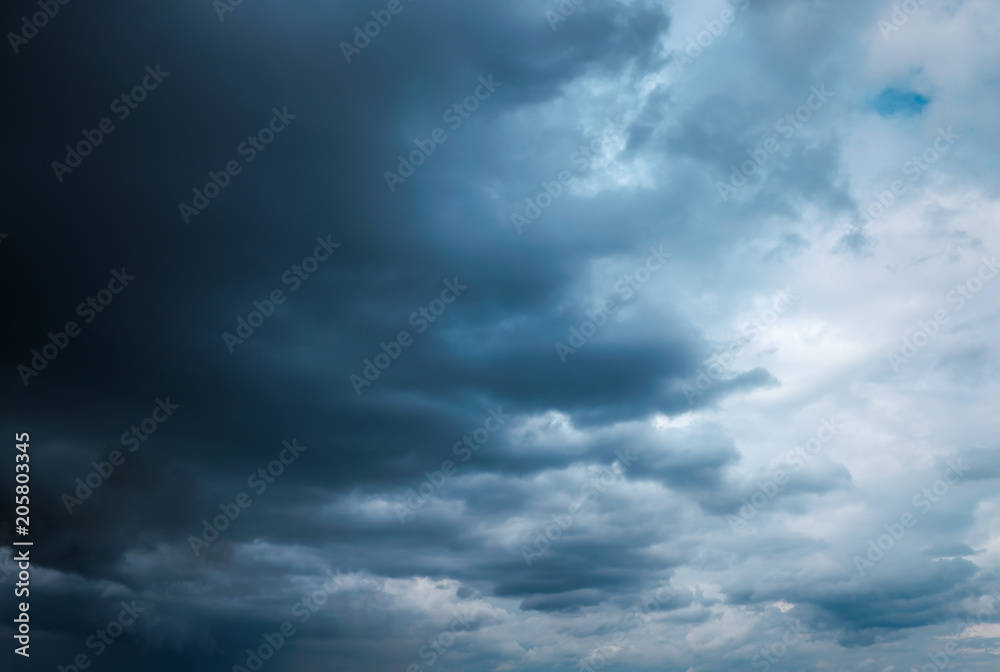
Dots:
pixel 437 336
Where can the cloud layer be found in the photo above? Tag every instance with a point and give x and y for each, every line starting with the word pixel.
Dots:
pixel 649 335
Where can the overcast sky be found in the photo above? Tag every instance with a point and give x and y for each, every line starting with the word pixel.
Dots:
pixel 509 336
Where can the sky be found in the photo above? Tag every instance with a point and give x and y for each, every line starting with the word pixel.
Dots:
pixel 439 336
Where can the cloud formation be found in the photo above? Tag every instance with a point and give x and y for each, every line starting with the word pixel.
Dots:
pixel 374 253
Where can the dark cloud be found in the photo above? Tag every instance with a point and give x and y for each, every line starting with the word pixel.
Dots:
pixel 147 530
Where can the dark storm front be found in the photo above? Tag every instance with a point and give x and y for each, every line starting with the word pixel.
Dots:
pixel 103 470
pixel 249 148
pixel 259 480
pixel 122 106
pixel 31 24
pixel 455 116
pixel 106 636
pixel 59 341
pixel 294 276
pixel 303 609
pixel 421 319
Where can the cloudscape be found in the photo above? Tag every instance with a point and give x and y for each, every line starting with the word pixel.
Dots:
pixel 501 336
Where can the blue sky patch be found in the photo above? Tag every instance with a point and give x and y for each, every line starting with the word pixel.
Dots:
pixel 897 102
